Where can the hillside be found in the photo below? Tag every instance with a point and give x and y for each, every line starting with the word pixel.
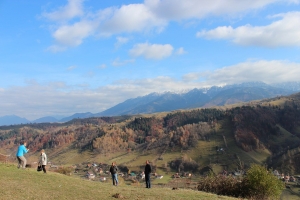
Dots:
pixel 29 184
pixel 197 140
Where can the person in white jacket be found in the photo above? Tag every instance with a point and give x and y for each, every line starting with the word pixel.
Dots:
pixel 43 160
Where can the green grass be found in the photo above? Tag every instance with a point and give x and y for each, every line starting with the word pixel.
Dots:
pixel 166 177
pixel 29 184
pixel 286 135
pixel 292 193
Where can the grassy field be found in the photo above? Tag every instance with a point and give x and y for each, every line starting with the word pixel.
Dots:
pixel 29 184
pixel 292 192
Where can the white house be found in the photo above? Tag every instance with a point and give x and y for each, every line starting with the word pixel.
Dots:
pixel 159 176
pixel 102 179
pixel 90 175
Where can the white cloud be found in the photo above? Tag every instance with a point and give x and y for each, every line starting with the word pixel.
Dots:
pixel 178 9
pixel 118 62
pixel 90 74
pixel 56 48
pixel 130 18
pixel 152 51
pixel 274 71
pixel 284 32
pixel 121 41
pixel 180 51
pixel 71 68
pixel 192 76
pixel 73 9
pixel 270 72
pixel 152 14
pixel 38 101
pixel 103 66
pixel 72 35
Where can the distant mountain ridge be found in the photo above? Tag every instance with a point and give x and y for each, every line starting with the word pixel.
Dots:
pixel 45 119
pixel 77 115
pixel 214 96
pixel 12 119
pixel 168 101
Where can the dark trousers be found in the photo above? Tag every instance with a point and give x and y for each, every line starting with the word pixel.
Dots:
pixel 44 168
pixel 147 179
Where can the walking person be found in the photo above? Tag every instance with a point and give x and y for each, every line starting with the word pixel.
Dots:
pixel 20 155
pixel 114 173
pixel 148 170
pixel 43 160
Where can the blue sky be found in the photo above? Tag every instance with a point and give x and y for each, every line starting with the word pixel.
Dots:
pixel 62 57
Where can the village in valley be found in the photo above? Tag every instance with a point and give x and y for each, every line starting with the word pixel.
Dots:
pixel 94 171
pixel 100 172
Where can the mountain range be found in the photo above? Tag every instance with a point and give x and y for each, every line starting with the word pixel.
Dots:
pixel 169 101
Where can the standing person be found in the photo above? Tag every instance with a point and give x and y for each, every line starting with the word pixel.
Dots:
pixel 113 170
pixel 20 155
pixel 43 160
pixel 148 170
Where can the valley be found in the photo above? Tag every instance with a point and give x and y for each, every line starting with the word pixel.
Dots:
pixel 197 141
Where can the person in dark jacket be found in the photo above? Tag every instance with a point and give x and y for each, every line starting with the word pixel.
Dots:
pixel 148 170
pixel 114 173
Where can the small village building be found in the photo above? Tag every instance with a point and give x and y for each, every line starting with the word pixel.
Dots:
pixel 100 170
pixel 176 175
pixel 103 179
pixel 90 175
pixel 54 166
pixel 159 176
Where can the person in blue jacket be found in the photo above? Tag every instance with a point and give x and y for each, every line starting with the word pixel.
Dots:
pixel 20 155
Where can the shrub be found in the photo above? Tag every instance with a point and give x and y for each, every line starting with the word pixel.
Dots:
pixel 221 185
pixel 258 183
pixel 123 168
pixel 262 184
pixel 64 170
pixel 184 164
